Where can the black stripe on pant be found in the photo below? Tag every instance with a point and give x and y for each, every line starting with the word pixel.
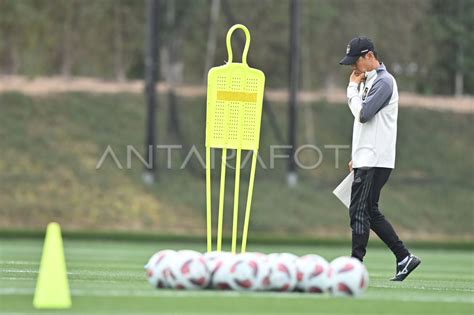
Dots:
pixel 365 214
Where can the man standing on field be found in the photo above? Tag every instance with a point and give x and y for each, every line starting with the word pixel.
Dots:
pixel 373 100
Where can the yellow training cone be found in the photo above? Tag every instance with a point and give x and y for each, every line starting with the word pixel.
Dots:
pixel 52 288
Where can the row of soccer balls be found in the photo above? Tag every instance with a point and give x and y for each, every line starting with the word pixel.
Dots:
pixel 187 269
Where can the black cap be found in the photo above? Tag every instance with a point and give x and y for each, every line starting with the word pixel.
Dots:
pixel 357 47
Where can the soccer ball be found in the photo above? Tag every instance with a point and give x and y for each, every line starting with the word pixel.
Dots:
pixel 217 264
pixel 189 252
pixel 212 258
pixel 282 272
pixel 188 270
pixel 246 272
pixel 312 274
pixel 156 266
pixel 348 277
pixel 286 256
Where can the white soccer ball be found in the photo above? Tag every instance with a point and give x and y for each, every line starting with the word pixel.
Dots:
pixel 217 263
pixel 246 271
pixel 189 252
pixel 312 274
pixel 286 256
pixel 282 272
pixel 156 266
pixel 212 258
pixel 188 270
pixel 348 277
pixel 264 269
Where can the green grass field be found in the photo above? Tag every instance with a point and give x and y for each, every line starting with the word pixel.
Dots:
pixel 107 277
pixel 51 145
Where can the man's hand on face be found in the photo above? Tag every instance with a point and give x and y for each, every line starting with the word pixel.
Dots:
pixel 357 77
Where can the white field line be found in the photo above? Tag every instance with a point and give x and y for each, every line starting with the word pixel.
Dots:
pixel 206 313
pixel 212 313
pixel 424 288
pixel 18 271
pixel 106 274
pixel 464 290
pixel 233 294
pixel 106 278
pixel 75 280
pixel 118 280
pixel 133 273
pixel 18 262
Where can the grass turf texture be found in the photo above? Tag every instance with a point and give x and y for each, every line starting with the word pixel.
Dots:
pixel 51 145
pixel 107 277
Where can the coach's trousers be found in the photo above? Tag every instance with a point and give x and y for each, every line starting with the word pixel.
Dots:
pixel 365 214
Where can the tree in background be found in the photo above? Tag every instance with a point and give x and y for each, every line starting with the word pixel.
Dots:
pixel 12 33
pixel 426 43
pixel 450 25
